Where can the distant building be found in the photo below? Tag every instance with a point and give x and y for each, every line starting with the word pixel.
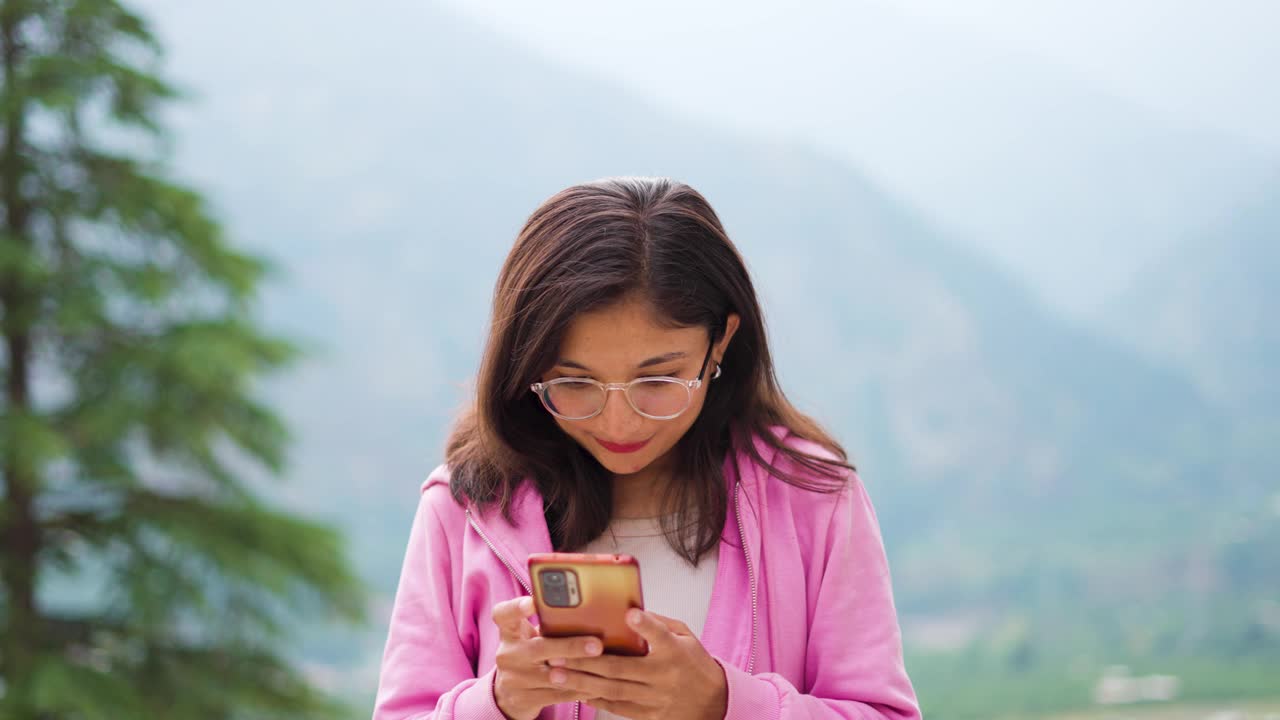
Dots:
pixel 1117 687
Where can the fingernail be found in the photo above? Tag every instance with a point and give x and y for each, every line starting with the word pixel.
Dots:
pixel 556 662
pixel 557 677
pixel 593 647
pixel 633 617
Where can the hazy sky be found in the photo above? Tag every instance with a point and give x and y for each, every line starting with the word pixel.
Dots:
pixel 1211 63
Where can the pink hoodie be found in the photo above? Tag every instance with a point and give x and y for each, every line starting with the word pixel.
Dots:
pixel 801 616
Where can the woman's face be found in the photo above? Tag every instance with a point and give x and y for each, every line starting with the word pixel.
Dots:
pixel 617 344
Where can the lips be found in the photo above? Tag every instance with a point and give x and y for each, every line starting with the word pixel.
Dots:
pixel 621 447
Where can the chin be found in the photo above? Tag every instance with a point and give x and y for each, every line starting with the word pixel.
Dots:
pixel 622 465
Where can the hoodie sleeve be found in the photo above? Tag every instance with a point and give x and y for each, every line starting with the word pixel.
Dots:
pixel 427 673
pixel 854 660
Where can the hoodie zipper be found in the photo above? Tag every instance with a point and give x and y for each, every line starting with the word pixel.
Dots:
pixel 746 552
pixel 577 706
pixel 510 568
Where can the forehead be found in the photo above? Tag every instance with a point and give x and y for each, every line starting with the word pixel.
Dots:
pixel 625 333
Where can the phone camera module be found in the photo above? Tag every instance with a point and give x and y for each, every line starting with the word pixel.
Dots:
pixel 559 588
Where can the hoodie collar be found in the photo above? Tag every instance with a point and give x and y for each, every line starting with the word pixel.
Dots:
pixel 527 533
pixel 514 541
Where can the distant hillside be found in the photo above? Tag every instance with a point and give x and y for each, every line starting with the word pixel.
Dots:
pixel 1209 310
pixel 1072 187
pixel 1211 307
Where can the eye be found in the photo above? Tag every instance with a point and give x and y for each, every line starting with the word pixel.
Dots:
pixel 673 373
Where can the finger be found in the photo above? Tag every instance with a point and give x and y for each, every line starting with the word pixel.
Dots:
pixel 552 696
pixel 525 679
pixel 545 649
pixel 673 624
pixel 618 667
pixel 621 709
pixel 651 629
pixel 599 687
pixel 511 617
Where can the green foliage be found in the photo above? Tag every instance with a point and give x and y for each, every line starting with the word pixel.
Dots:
pixel 129 426
pixel 974 685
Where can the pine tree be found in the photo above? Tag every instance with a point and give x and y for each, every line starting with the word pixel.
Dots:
pixel 141 576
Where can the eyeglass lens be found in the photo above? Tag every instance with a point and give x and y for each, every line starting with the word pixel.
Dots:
pixel 658 398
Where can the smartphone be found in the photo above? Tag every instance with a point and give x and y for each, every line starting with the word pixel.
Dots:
pixel 584 594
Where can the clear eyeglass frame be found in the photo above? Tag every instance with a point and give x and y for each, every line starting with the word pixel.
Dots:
pixel 542 388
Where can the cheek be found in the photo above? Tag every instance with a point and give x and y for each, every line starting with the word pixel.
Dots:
pixel 574 430
pixel 672 430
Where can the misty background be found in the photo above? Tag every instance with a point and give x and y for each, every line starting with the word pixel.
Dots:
pixel 1020 257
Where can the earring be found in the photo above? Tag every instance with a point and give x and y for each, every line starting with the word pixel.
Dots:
pixel 713 377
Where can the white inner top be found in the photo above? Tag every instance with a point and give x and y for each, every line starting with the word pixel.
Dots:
pixel 669 585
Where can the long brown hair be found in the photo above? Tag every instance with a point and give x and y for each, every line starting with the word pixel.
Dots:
pixel 586 247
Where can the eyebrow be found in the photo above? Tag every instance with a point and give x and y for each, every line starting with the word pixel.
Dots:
pixel 659 360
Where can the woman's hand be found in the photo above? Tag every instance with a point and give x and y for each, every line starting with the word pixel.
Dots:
pixel 677 680
pixel 523 685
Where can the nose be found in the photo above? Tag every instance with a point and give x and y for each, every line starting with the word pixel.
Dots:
pixel 618 420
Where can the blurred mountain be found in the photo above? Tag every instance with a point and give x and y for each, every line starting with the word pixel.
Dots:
pixel 1013 456
pixel 1208 310
pixel 1210 307
pixel 1071 186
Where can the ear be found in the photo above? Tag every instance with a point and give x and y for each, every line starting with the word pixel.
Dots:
pixel 731 324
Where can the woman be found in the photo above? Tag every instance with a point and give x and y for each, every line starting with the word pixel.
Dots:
pixel 766 587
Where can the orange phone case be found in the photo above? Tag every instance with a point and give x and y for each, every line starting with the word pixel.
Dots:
pixel 607 585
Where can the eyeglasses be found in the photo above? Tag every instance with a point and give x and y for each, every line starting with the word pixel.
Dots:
pixel 657 398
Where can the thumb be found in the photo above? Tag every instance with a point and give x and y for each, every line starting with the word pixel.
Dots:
pixel 653 630
pixel 512 618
